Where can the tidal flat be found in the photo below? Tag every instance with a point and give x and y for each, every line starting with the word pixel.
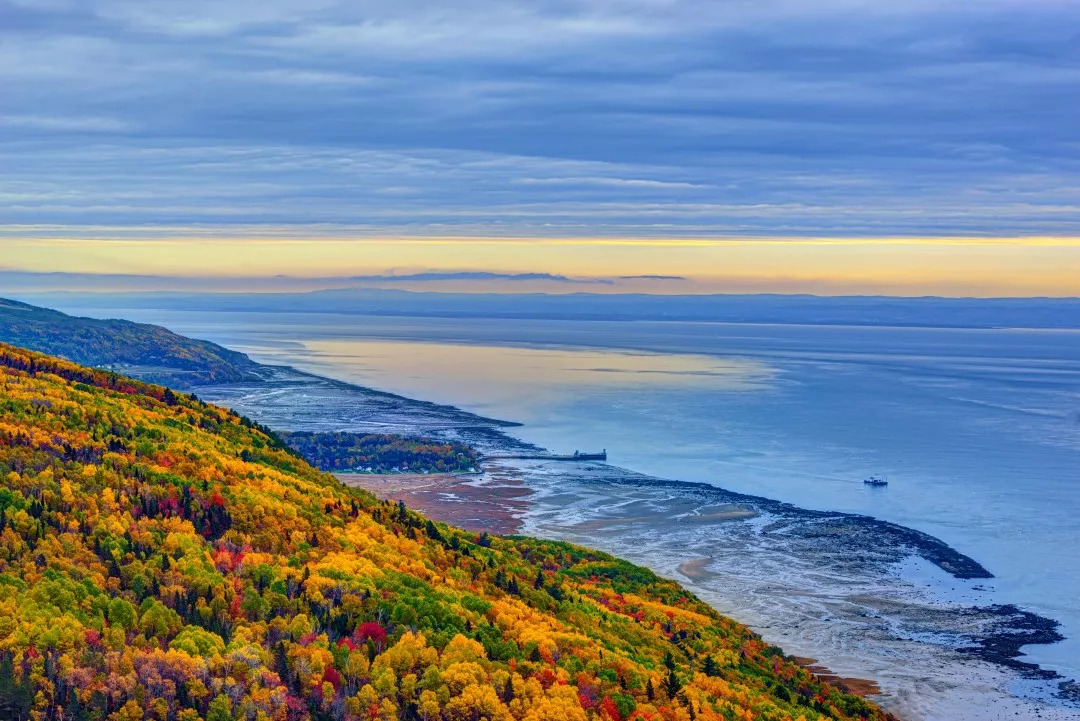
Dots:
pixel 867 599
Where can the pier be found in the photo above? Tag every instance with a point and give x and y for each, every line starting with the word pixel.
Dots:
pixel 577 456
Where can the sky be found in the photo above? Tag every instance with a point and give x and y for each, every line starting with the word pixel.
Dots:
pixel 832 146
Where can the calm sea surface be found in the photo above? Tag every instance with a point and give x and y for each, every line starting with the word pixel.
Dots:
pixel 978 431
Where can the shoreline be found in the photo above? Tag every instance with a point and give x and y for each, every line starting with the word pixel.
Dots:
pixel 482 504
pixel 857 686
pixel 449 497
pixel 507 500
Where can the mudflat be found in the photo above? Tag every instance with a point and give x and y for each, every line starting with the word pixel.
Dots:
pixel 475 503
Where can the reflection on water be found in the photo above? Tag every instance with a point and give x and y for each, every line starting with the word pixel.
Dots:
pixel 522 381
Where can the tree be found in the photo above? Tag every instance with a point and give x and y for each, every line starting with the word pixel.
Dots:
pixel 475 702
pixel 16 698
pixel 672 685
pixel 429 706
pixel 197 641
pixel 560 704
pixel 121 613
pixel 159 620
pixel 220 709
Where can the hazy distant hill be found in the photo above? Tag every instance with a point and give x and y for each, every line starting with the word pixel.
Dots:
pixel 783 309
pixel 148 352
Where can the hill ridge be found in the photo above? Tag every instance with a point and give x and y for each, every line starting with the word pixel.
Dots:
pixel 152 352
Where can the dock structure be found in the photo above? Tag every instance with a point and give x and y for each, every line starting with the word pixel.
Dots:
pixel 577 456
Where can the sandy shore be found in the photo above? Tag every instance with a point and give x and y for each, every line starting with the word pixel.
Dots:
pixel 858 686
pixel 695 569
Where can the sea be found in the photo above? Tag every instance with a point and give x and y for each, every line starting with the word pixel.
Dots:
pixel 976 430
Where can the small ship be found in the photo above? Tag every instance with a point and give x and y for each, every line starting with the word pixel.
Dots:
pixel 876 481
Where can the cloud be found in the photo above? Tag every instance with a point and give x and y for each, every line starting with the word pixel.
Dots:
pixel 66 124
pixel 652 277
pixel 631 117
pixel 474 276
pixel 612 182
pixel 14 280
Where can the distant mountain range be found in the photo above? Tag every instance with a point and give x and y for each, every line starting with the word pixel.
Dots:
pixel 763 308
pixel 148 352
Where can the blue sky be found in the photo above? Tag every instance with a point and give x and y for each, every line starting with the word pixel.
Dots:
pixel 622 117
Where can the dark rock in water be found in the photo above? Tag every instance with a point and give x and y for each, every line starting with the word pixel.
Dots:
pixel 937 552
pixel 1013 629
pixel 1070 691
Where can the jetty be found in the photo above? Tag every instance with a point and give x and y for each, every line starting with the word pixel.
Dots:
pixel 577 456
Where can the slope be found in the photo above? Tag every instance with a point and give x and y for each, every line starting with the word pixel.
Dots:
pixel 150 352
pixel 162 558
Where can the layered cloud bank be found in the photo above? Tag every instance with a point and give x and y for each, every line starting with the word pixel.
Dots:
pixel 616 118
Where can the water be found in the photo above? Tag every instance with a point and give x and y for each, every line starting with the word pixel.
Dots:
pixel 977 430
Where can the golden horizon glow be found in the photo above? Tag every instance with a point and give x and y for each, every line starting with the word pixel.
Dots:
pixel 972 266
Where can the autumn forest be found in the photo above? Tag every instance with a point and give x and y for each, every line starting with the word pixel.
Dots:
pixel 162 558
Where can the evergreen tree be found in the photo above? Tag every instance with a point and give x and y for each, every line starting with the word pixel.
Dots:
pixel 15 697
pixel 281 661
pixel 672 685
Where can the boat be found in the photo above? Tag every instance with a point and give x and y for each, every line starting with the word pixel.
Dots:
pixel 876 481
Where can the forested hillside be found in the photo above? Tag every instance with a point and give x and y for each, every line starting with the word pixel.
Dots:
pixel 150 352
pixel 161 558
